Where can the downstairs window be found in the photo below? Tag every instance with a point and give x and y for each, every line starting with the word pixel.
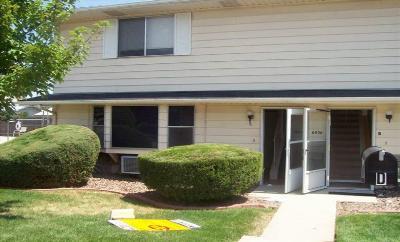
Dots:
pixel 180 125
pixel 135 126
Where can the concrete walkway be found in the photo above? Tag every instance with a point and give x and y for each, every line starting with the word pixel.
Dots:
pixel 303 218
pixel 4 139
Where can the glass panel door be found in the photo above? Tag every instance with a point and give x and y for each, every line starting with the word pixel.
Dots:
pixel 316 136
pixel 294 149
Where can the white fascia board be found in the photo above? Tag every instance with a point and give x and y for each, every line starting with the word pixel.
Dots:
pixel 132 5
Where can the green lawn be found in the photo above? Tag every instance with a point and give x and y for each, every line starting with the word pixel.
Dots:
pixel 72 215
pixel 368 227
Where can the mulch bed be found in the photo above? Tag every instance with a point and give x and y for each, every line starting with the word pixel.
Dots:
pixel 118 184
pixel 133 188
pixel 390 203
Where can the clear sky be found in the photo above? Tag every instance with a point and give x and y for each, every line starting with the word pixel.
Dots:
pixel 92 3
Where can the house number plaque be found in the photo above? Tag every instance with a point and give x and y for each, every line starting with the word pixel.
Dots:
pixel 316 132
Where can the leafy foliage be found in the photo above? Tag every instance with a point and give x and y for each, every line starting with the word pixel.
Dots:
pixel 34 54
pixel 61 155
pixel 201 172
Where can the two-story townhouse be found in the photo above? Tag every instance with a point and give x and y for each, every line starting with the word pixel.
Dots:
pixel 309 83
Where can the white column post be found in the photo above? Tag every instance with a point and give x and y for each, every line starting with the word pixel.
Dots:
pixel 162 126
pixel 107 126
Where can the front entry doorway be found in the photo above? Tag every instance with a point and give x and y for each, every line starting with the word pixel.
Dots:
pixel 295 148
pixel 351 134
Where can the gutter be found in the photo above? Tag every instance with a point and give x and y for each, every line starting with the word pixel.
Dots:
pixel 218 100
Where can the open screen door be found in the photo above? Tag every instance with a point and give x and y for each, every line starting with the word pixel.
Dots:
pixel 294 149
pixel 315 155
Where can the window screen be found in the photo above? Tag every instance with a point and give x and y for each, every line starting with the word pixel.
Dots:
pixel 180 125
pixel 160 35
pixel 131 37
pixel 135 126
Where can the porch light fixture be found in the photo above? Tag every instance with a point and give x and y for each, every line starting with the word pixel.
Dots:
pixel 389 115
pixel 250 116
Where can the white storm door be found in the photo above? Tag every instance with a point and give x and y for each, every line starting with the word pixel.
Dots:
pixel 315 155
pixel 294 149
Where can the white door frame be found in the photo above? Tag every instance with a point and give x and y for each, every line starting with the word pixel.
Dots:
pixel 296 173
pixel 327 148
pixel 262 129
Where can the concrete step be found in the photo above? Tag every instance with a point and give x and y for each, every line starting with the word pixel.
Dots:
pixel 247 238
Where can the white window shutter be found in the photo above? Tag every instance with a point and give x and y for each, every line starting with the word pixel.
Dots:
pixel 110 40
pixel 183 34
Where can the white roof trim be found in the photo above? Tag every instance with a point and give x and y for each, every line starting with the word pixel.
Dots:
pixel 167 6
pixel 134 4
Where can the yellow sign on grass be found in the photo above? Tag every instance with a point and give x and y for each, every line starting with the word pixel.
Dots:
pixel 148 224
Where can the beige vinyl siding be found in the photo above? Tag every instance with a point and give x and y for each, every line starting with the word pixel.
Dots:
pixel 389 137
pixel 341 45
pixel 200 123
pixel 228 124
pixel 74 114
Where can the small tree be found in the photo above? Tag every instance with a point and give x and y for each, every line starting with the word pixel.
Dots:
pixel 34 54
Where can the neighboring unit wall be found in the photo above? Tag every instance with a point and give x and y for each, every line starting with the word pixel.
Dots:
pixel 341 45
pixel 74 114
pixel 228 123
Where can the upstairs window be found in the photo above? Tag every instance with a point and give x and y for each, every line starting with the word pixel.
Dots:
pixel 146 36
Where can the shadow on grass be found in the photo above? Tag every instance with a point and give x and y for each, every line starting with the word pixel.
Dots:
pixel 154 199
pixel 5 208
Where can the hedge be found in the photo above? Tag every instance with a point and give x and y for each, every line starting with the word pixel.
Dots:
pixel 54 156
pixel 201 172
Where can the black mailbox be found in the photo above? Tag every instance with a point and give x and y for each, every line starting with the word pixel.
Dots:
pixel 379 167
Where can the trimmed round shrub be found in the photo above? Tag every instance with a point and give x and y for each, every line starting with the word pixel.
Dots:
pixel 201 172
pixel 54 156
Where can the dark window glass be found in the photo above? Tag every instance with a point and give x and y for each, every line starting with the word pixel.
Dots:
pixel 98 116
pixel 180 136
pixel 181 116
pixel 135 126
pixel 180 122
pixel 98 123
pixel 131 37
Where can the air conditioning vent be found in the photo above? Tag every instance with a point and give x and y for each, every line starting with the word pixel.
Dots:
pixel 129 164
